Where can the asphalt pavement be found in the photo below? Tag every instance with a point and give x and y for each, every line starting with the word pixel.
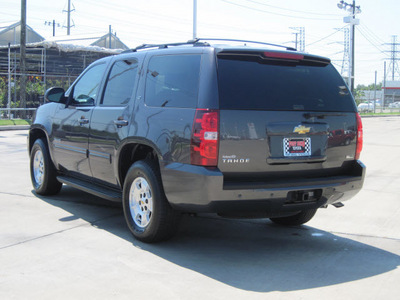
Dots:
pixel 77 246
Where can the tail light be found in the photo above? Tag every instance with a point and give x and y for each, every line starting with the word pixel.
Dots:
pixel 205 137
pixel 284 55
pixel 360 138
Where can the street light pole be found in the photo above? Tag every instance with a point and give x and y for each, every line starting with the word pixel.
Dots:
pixel 9 81
pixel 194 19
pixel 375 91
pixel 353 45
pixel 23 57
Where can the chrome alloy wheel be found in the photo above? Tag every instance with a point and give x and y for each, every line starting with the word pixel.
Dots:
pixel 141 202
pixel 38 167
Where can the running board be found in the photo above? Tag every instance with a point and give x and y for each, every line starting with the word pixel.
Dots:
pixel 91 188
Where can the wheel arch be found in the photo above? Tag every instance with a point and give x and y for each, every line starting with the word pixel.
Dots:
pixel 132 152
pixel 37 133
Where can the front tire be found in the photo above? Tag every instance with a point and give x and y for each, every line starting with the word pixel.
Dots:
pixel 43 172
pixel 297 219
pixel 147 212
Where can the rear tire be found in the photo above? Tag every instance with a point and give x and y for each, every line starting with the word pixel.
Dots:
pixel 43 172
pixel 297 219
pixel 147 212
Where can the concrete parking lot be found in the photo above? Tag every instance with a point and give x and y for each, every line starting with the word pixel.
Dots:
pixel 76 246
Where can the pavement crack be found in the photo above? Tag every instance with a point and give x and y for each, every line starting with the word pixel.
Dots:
pixel 60 231
pixel 15 194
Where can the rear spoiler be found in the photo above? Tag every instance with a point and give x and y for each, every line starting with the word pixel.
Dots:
pixel 273 56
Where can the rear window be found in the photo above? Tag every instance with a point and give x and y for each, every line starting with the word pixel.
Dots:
pixel 261 85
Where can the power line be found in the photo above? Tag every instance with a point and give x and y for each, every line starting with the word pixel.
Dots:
pixel 292 10
pixel 274 13
pixel 380 41
pixel 371 37
pixel 129 24
pixel 152 14
pixel 362 33
pixel 324 38
pixel 336 53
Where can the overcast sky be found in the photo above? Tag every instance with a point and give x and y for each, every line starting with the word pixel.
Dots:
pixel 156 21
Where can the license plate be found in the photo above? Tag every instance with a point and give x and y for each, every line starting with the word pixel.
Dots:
pixel 296 146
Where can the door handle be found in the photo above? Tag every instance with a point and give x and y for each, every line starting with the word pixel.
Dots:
pixel 83 120
pixel 120 122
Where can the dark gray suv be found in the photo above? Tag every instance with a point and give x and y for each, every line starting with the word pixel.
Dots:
pixel 190 127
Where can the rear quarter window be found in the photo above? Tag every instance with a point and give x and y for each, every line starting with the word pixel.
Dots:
pixel 278 86
pixel 173 81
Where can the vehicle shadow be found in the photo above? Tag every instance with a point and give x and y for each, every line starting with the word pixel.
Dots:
pixel 252 255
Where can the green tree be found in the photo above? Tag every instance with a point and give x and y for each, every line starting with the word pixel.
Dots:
pixel 3 92
pixel 358 94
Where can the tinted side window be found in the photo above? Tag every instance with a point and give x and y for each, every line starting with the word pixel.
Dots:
pixel 86 89
pixel 120 82
pixel 264 86
pixel 173 80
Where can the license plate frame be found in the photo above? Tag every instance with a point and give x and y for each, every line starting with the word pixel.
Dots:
pixel 295 147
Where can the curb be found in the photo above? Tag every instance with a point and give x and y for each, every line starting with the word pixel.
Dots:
pixel 14 127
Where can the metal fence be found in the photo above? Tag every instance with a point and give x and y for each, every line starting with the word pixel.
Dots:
pixel 16 113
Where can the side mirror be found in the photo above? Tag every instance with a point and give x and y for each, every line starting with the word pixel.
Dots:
pixel 55 94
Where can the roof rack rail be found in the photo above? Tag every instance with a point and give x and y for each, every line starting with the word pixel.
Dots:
pixel 241 41
pixel 196 42
pixel 166 45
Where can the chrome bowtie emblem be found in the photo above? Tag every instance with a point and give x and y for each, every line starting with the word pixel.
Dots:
pixel 301 129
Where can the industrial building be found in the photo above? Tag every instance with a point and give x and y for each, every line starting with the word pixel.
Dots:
pixel 48 62
pixel 392 92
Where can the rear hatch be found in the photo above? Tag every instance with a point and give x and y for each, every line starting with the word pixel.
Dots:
pixel 284 117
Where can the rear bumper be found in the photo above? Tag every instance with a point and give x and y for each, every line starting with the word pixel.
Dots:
pixel 198 189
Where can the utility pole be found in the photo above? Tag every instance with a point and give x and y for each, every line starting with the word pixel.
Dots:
pixel 23 57
pixel 68 11
pixel 300 38
pixel 351 19
pixel 346 51
pixel 384 83
pixel 53 24
pixel 194 19
pixel 69 18
pixel 109 36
